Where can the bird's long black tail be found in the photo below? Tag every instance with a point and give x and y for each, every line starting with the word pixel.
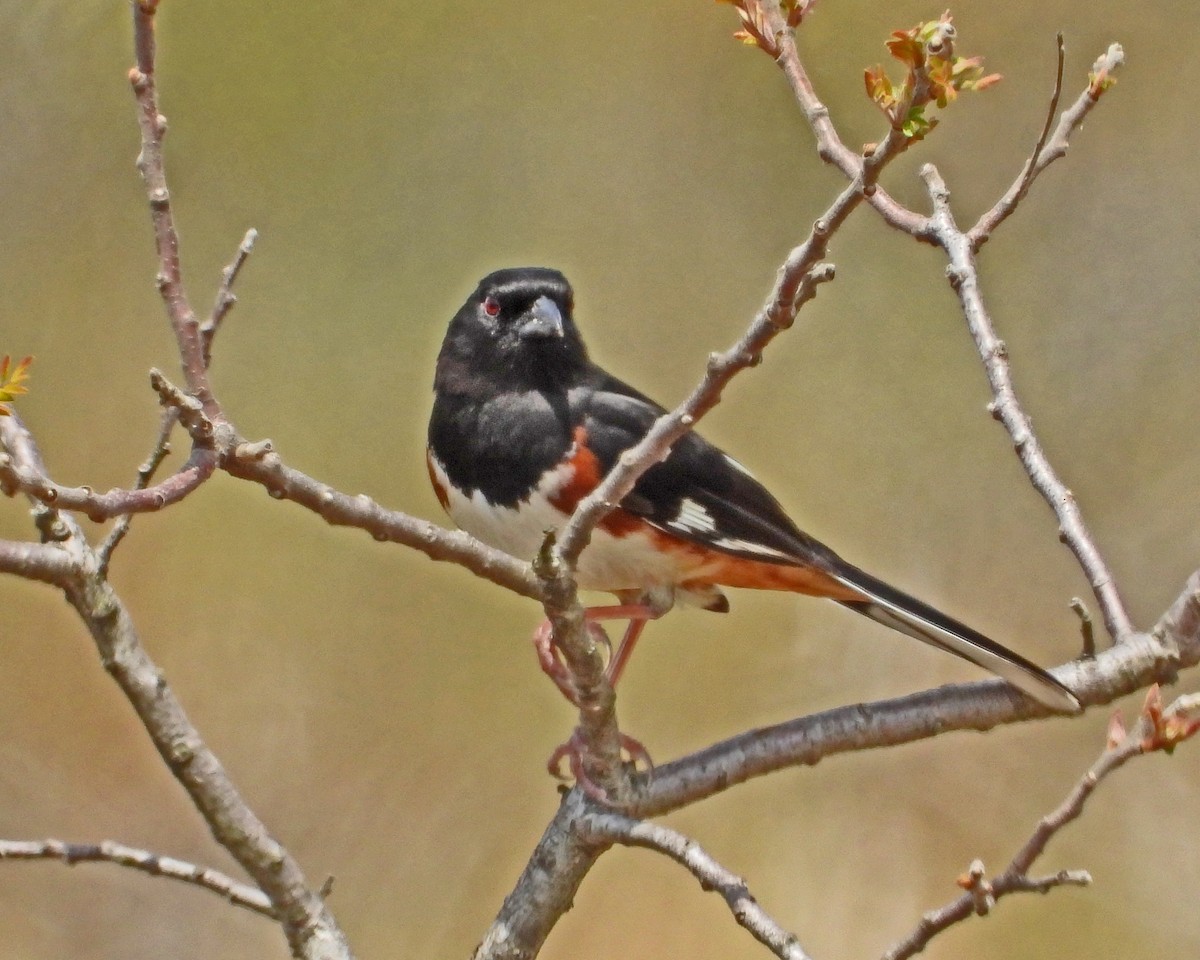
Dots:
pixel 908 615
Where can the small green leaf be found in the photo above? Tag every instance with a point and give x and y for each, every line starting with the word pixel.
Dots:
pixel 12 385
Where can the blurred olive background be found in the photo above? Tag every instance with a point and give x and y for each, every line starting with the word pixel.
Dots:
pixel 384 714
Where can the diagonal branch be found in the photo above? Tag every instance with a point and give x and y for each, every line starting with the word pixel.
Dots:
pixel 1142 659
pixel 116 502
pixel 153 864
pixel 963 275
pixel 610 828
pixel 310 928
pixel 225 298
pixel 796 284
pixel 1049 148
pixel 981 895
pixel 259 463
pixel 830 147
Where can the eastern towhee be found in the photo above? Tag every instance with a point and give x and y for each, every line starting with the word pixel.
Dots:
pixel 524 426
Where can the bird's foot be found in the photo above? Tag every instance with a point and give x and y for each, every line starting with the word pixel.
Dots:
pixel 550 658
pixel 572 751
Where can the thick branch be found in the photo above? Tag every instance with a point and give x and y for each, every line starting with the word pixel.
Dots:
pixel 44 562
pixel 546 888
pixel 108 851
pixel 1141 660
pixel 310 928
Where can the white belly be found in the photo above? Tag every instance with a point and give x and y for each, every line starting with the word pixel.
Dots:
pixel 608 563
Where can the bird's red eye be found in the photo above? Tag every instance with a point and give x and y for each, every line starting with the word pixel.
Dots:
pixel 491 306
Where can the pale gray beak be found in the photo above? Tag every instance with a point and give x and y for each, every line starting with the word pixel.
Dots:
pixel 542 320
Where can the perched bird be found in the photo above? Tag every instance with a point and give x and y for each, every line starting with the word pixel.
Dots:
pixel 524 426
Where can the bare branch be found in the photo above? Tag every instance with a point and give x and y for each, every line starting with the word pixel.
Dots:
pixel 1179 627
pixel 1048 149
pixel 981 894
pixel 225 298
pixel 978 706
pixel 609 828
pixel 546 888
pixel 150 164
pixel 116 502
pixel 796 284
pixel 964 278
pixel 145 473
pixel 310 928
pixel 1087 629
pixel 1140 660
pixel 42 562
pixel 260 463
pixel 108 851
pixel 830 147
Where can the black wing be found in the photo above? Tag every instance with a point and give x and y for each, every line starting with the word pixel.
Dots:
pixel 698 493
pixel 702 495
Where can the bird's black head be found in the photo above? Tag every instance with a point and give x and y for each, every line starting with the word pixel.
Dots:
pixel 516 331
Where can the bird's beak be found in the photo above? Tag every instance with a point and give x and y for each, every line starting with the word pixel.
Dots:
pixel 542 320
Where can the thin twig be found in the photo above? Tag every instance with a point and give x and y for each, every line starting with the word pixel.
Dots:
pixel 150 164
pixel 830 147
pixel 1048 148
pixel 609 828
pixel 1155 730
pixel 153 864
pixel 1087 629
pixel 963 275
pixel 225 298
pixel 145 473
pixel 116 502
pixel 1007 204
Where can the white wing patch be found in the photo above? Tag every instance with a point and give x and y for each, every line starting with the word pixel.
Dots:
pixel 740 468
pixel 749 546
pixel 692 517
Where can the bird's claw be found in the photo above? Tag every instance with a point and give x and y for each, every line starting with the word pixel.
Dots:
pixel 550 657
pixel 632 751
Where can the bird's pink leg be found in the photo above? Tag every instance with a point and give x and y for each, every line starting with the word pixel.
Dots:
pixel 550 657
pixel 555 667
